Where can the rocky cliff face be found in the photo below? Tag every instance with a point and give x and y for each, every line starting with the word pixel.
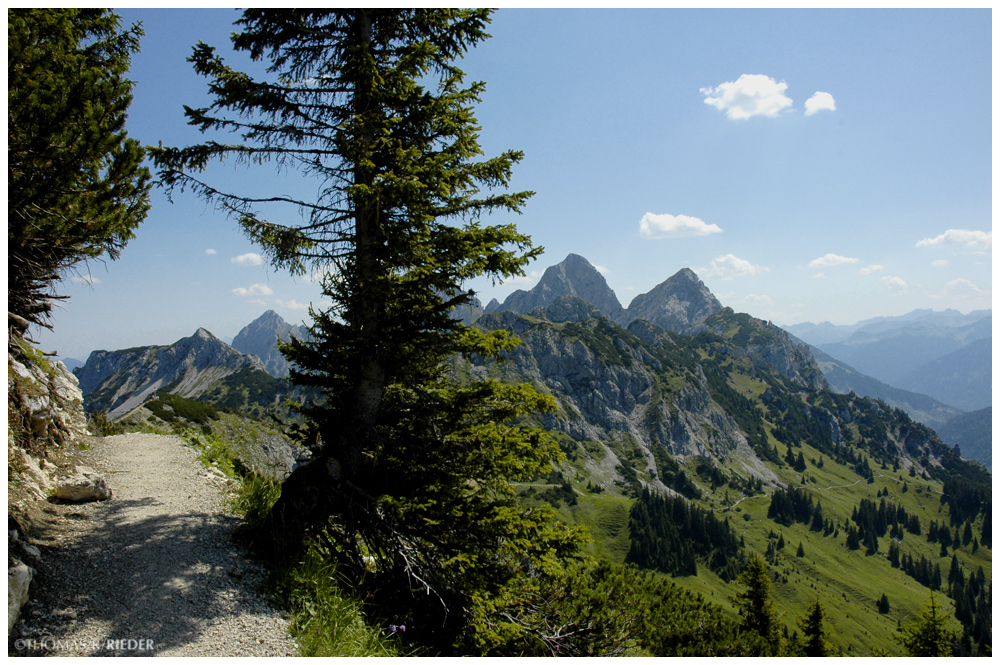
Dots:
pixel 679 304
pixel 767 345
pixel 44 404
pixel 260 338
pixel 575 276
pixel 625 399
pixel 121 380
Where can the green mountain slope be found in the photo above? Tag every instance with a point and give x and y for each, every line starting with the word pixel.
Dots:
pixel 737 418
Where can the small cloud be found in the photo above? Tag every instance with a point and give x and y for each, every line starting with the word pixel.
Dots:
pixel 211 252
pixel 819 275
pixel 670 226
pixel 754 299
pixel 977 241
pixel 293 305
pixel 526 280
pixel 731 267
pixel 963 288
pixel 251 259
pixel 831 260
pixel 747 96
pixel 940 263
pixel 894 284
pixel 602 270
pixel 255 290
pixel 85 279
pixel 868 270
pixel 258 301
pixel 820 101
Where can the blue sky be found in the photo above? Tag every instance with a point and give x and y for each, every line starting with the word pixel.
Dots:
pixel 808 165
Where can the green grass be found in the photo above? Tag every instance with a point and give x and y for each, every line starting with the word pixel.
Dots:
pixel 847 583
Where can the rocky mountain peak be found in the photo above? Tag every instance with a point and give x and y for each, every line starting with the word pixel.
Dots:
pixel 260 338
pixel 679 304
pixel 574 276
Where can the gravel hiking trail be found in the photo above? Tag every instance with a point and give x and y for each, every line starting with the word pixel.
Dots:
pixel 153 570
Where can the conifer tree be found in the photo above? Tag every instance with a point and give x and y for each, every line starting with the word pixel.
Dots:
pixel 76 187
pixel 814 643
pixel 755 605
pixel 928 636
pixel 412 475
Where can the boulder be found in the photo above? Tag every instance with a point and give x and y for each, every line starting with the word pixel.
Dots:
pixel 84 484
pixel 18 579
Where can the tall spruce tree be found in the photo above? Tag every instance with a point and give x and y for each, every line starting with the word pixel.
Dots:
pixel 814 643
pixel 76 187
pixel 412 477
pixel 755 605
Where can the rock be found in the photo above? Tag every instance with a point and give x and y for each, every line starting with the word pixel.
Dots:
pixel 48 402
pixel 84 485
pixel 18 580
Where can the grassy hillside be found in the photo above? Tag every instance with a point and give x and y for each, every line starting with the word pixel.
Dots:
pixel 839 451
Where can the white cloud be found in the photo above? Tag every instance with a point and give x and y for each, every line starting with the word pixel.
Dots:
pixel 747 96
pixel 977 241
pixel 671 226
pixel 819 275
pixel 820 101
pixel 731 267
pixel 251 259
pixel 868 270
pixel 754 299
pixel 293 305
pixel 211 252
pixel 895 284
pixel 258 301
pixel 85 279
pixel 255 290
pixel 602 270
pixel 940 263
pixel 963 287
pixel 831 260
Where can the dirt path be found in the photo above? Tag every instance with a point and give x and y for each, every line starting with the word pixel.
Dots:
pixel 152 571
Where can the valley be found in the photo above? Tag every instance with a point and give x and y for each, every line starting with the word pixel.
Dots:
pixel 690 399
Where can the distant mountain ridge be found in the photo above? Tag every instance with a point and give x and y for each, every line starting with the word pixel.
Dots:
pixel 818 334
pixel 118 381
pixel 260 338
pixel 844 379
pixel 962 378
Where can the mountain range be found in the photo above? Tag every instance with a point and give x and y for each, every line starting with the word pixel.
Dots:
pixel 945 355
pixel 683 395
pixel 682 304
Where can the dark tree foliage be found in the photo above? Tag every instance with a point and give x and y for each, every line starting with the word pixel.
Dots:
pixel 755 605
pixel 76 187
pixel 671 474
pixel 411 481
pixel 814 644
pixel 603 609
pixel 671 535
pixel 791 505
pixel 883 605
pixel 928 636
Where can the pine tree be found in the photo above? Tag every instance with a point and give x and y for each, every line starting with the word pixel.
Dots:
pixel 883 604
pixel 814 643
pixel 754 603
pixel 411 480
pixel 76 187
pixel 928 636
